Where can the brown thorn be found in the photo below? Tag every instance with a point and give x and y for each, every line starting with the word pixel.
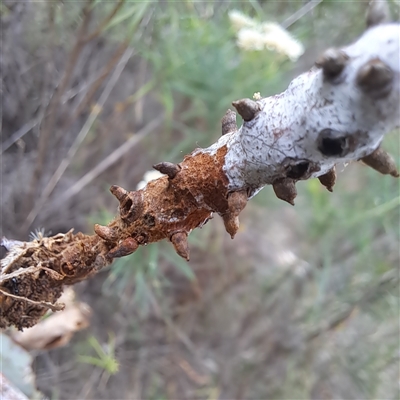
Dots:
pixel 375 78
pixel 246 108
pixel 130 203
pixel 382 161
pixel 126 247
pixel 179 240
pixel 236 203
pixel 119 192
pixel 231 223
pixel 328 179
pixel 228 122
pixel 105 232
pixel 131 208
pixel 285 189
pixel 167 168
pixel 377 13
pixel 332 62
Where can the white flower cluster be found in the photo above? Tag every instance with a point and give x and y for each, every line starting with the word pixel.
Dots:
pixel 239 20
pixel 252 35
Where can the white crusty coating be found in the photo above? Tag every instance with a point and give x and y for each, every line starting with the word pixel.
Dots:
pixel 288 125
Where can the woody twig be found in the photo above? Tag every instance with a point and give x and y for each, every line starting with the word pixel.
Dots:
pixel 337 112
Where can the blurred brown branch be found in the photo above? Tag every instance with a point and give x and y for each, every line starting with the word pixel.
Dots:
pixel 82 39
pixel 50 121
pixel 105 22
pixel 79 139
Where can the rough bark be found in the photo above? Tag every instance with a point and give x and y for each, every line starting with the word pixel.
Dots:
pixel 339 111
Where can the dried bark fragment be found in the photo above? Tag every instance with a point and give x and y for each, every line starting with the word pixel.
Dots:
pixel 328 179
pixel 382 162
pixel 37 272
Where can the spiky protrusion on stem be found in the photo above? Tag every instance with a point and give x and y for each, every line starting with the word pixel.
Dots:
pixel 377 13
pixel 382 162
pixel 332 62
pixel 236 203
pixel 228 122
pixel 328 179
pixel 336 113
pixel 375 78
pixel 181 246
pixel 167 168
pixel 246 108
pixel 285 189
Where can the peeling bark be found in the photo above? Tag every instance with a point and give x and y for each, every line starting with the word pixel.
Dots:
pixel 339 111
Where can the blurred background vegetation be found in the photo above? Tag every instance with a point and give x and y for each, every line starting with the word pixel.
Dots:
pixel 303 304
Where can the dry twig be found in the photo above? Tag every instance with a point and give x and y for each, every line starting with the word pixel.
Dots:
pixel 339 111
pixel 79 139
